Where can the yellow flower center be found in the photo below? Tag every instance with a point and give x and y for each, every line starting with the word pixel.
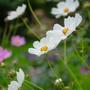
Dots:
pixel 65 30
pixel 66 10
pixel 44 49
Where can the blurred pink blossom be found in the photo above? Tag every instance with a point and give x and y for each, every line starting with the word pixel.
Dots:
pixel 4 53
pixel 18 41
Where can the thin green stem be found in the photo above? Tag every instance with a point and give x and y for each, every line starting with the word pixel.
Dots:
pixel 36 18
pixel 52 70
pixel 30 83
pixel 10 30
pixel 67 67
pixel 15 31
pixel 29 86
pixel 4 34
pixel 81 57
pixel 65 52
pixel 28 27
pixel 76 51
pixel 82 47
pixel 74 77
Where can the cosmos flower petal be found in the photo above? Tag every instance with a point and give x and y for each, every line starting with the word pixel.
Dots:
pixel 20 77
pixel 34 51
pixel 54 38
pixel 78 19
pixel 36 44
pixel 11 15
pixel 61 4
pixel 69 23
pixel 43 41
pixel 57 27
pixel 20 10
pixel 13 85
pixel 76 3
pixel 56 34
pixel 54 11
pixel 14 14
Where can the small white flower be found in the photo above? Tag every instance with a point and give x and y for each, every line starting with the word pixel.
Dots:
pixel 70 25
pixel 14 14
pixel 15 85
pixel 57 81
pixel 46 44
pixel 64 8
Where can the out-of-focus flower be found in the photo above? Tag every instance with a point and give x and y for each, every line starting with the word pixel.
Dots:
pixel 64 8
pixel 70 25
pixel 46 44
pixel 2 64
pixel 85 70
pixel 14 14
pixel 4 53
pixel 18 41
pixel 35 72
pixel 31 56
pixel 53 57
pixel 15 85
pixel 58 81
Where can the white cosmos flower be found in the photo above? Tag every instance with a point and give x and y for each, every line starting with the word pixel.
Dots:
pixel 65 7
pixel 53 37
pixel 15 85
pixel 47 43
pixel 70 25
pixel 14 14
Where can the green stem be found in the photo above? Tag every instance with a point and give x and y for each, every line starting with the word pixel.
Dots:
pixel 81 57
pixel 3 38
pixel 30 83
pixel 65 52
pixel 15 29
pixel 53 71
pixel 29 86
pixel 36 18
pixel 82 48
pixel 28 27
pixel 67 67
pixel 9 33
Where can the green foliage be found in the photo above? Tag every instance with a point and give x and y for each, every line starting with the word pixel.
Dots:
pixel 37 69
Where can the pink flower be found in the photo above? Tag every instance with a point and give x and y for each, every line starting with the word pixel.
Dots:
pixel 4 53
pixel 18 41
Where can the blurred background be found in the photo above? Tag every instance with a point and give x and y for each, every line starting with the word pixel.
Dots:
pixel 37 69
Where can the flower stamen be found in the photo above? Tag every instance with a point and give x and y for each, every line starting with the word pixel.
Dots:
pixel 44 49
pixel 65 30
pixel 66 10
